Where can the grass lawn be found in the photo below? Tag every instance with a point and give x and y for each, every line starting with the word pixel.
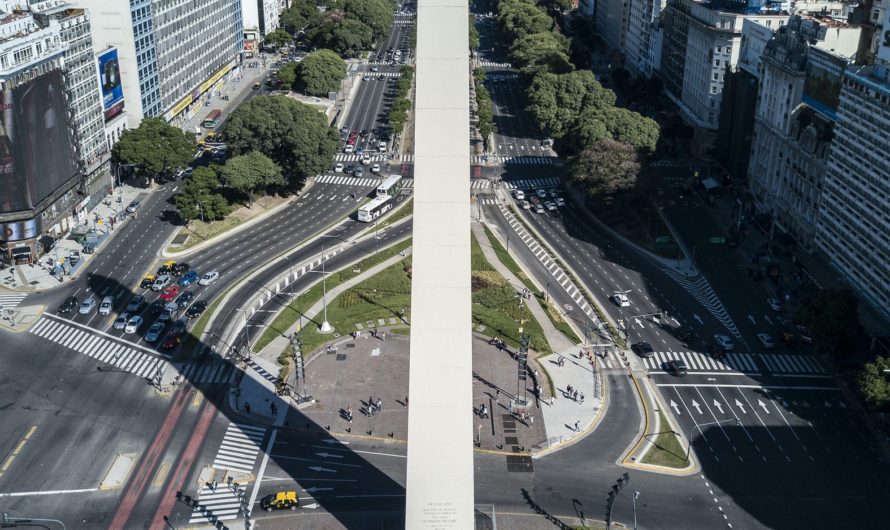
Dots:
pixel 508 261
pixel 666 450
pixel 199 232
pixel 302 303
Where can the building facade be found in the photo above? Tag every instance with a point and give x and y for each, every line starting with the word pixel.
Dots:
pixel 611 18
pixel 262 15
pixel 642 35
pixel 853 228
pixel 171 52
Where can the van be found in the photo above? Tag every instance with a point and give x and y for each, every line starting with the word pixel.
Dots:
pixel 381 146
pixel 106 306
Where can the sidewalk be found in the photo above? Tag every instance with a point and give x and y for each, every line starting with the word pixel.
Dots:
pixel 96 231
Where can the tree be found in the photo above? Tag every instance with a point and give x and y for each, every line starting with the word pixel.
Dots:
pixel 277 38
pixel 345 36
pixel 287 76
pixel 200 197
pixel 831 315
pixel 474 35
pixel 587 130
pixel 154 147
pixel 555 101
pixel 246 173
pixel 320 72
pixel 294 135
pixel 560 5
pixel 298 16
pixel 607 167
pixel 528 50
pixel 204 180
pixel 632 128
pixel 376 14
pixel 874 383
pixel 522 17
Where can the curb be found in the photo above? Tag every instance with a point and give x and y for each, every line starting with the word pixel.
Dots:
pixel 594 423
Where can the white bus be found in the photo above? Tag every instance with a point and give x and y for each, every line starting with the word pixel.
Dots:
pixel 374 209
pixel 390 187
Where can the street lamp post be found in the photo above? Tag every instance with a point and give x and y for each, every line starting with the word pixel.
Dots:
pixel 634 498
pixel 246 331
pixel 117 172
pixel 699 426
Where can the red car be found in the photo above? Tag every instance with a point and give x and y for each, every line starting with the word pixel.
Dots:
pixel 171 340
pixel 170 293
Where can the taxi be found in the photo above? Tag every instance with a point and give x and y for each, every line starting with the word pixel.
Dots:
pixel 282 500
pixel 148 281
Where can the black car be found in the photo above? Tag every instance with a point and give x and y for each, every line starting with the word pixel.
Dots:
pixel 185 299
pixel 70 304
pixel 196 309
pixel 156 307
pixel 180 268
pixel 677 367
pixel 643 349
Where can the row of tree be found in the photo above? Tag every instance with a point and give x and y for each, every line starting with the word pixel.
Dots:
pixel 345 26
pixel 319 73
pixel 398 114
pixel 484 107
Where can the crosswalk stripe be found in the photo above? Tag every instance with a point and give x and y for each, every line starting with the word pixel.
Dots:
pixel 89 347
pixel 107 347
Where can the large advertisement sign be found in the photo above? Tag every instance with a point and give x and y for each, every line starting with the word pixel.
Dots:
pixel 18 230
pixel 110 80
pixel 36 148
pixel 884 49
pixel 822 88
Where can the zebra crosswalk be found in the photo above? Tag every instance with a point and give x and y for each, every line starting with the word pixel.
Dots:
pixel 221 372
pixel 375 157
pixel 546 182
pixel 11 300
pixel 480 184
pixel 518 160
pixel 492 64
pixel 218 504
pixel 488 200
pixel 783 362
pixel 383 74
pixel 502 76
pixel 774 363
pixel 104 348
pixel 344 180
pixel 701 290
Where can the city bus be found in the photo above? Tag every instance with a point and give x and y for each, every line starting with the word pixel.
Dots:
pixel 390 187
pixel 212 119
pixel 374 209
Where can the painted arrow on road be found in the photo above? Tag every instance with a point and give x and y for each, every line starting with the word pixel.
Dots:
pixel 675 407
pixel 740 406
pixel 329 455
pixel 827 404
pixel 752 320
pixel 719 406
pixel 312 506
pixel 319 469
pixel 698 318
pixel 696 405
pixel 762 405
pixel 768 319
pixel 842 405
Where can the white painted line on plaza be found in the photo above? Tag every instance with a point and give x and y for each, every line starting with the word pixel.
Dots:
pixel 48 492
pixel 767 387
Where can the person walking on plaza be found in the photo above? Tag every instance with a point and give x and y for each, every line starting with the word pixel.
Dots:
pixel 582 397
pixel 577 428
pixel 349 413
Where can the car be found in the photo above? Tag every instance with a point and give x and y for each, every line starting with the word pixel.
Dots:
pixel 338 167
pixel 375 69
pixel 621 299
pixel 359 171
pixel 196 309
pixel 519 194
pixel 360 151
pixel 133 206
pixel 188 278
pixel 363 133
pixel 367 77
pixel 526 205
pixel 774 304
pixel 179 326
pixel 156 307
pixel 154 332
pixel 554 193
pixel 344 130
pixel 133 324
pixel 135 303
pixel 550 206
pixel 170 292
pixel 724 341
pixel 171 340
pixel 766 340
pixel 87 306
pixel 559 201
pixel 106 306
pixel 643 349
pixel 366 160
pixel 348 148
pixel 121 321
pixel 161 282
pixel 539 208
pixel 180 268
pixel 185 299
pixel 148 281
pixel 677 367
pixel 282 500
pixel 208 278
pixel 535 200
pixel 541 193
pixel 375 168
pixel 69 305
pixel 381 146
pixel 167 267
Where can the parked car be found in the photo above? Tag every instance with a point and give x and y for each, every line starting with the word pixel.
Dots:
pixel 170 292
pixel 338 167
pixel 161 282
pixel 156 307
pixel 87 306
pixel 541 193
pixel 154 332
pixel 774 304
pixel 621 299
pixel 282 500
pixel 180 268
pixel 724 341
pixel 69 305
pixel 135 303
pixel 196 309
pixel 188 278
pixel 185 299
pixel 106 306
pixel 121 321
pixel 208 278
pixel 550 206
pixel 148 281
pixel 133 324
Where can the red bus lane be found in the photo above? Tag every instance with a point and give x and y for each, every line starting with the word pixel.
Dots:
pixel 149 461
pixel 186 462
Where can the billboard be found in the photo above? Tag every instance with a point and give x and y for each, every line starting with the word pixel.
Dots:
pixel 822 88
pixel 36 148
pixel 110 81
pixel 884 39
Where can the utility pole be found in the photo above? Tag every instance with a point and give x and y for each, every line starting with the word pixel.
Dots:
pixel 522 354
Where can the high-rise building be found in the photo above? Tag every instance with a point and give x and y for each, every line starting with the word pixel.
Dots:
pixel 611 22
pixel 853 228
pixel 262 15
pixel 171 52
pixel 47 125
pixel 642 36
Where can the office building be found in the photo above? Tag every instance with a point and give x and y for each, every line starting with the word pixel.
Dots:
pixel 173 54
pixel 611 22
pixel 642 37
pixel 262 15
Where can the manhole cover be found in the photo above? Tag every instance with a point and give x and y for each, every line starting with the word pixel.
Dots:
pixel 519 464
pixel 341 356
pixel 350 345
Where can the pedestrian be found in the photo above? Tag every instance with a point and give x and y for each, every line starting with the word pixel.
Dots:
pixel 378 404
pixel 375 333
pixel 552 400
pixel 582 397
pixel 247 407
pixel 406 400
pixel 371 400
pixel 577 427
pixel 569 390
pixel 535 373
pixel 349 413
pixel 580 353
pixel 575 395
pixel 531 420
pixel 562 361
pixel 383 336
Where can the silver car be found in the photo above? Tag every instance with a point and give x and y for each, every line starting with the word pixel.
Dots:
pixel 87 306
pixel 154 332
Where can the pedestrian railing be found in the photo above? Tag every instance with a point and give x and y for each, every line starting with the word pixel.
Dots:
pixel 553 441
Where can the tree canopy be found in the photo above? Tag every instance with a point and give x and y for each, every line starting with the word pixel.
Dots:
pixel 555 101
pixel 277 38
pixel 474 34
pixel 874 383
pixel 154 147
pixel 345 36
pixel 543 48
pixel 831 315
pixel 607 167
pixel 522 17
pixel 376 14
pixel 287 75
pixel 200 197
pixel 294 135
pixel 320 72
pixel 298 16
pixel 247 173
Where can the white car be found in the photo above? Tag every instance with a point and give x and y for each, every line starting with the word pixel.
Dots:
pixel 366 160
pixel 87 306
pixel 519 194
pixel 338 168
pixel 724 342
pixel 559 201
pixel 106 306
pixel 550 206
pixel 367 77
pixel 526 205
pixel 208 278
pixel 375 168
pixel 766 341
pixel 160 282
pixel 121 321
pixel 381 146
pixel 133 324
pixel 774 304
pixel 542 193
pixel 621 300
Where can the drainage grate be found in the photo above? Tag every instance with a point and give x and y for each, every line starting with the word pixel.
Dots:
pixel 511 440
pixel 350 345
pixel 341 356
pixel 519 464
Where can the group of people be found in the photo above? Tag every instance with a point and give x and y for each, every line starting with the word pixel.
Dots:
pixel 572 393
pixel 498 342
